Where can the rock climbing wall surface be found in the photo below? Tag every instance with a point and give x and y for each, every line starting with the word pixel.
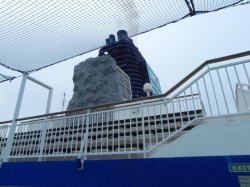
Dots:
pixel 96 81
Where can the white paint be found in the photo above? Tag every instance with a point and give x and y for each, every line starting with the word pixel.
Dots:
pixel 230 137
pixel 243 98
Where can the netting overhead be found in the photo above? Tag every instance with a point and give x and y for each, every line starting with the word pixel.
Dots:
pixel 37 33
pixel 5 78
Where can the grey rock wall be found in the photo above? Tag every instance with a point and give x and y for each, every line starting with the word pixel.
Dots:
pixel 96 81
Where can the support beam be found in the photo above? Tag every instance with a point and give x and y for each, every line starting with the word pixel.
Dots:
pixel 13 124
pixel 39 82
pixel 9 143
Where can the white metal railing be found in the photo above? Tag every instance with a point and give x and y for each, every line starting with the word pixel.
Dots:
pixel 139 128
pixel 4 133
pixel 117 131
pixel 215 86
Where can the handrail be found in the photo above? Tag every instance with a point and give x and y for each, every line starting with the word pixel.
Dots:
pixel 212 61
pixel 96 106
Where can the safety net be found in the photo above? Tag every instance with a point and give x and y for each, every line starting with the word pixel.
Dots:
pixel 38 33
pixel 5 78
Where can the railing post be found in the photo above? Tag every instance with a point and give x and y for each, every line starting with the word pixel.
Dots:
pixel 49 101
pixel 212 82
pixel 42 142
pixel 79 158
pixel 143 131
pixel 45 124
pixel 203 109
pixel 166 104
pixel 86 134
pixel 201 102
pixel 13 124
pixel 83 143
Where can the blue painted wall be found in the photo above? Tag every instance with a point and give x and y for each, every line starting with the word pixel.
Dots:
pixel 188 171
pixel 131 61
pixel 154 81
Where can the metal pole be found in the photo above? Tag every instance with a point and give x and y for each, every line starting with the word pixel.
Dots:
pixel 87 135
pixel 46 86
pixel 13 124
pixel 63 101
pixel 241 88
pixel 44 129
pixel 229 81
pixel 222 91
pixel 49 101
pixel 143 130
pixel 38 82
pixel 42 142
pixel 212 82
pixel 43 137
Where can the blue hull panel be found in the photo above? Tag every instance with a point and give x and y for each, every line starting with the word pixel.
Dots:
pixel 184 171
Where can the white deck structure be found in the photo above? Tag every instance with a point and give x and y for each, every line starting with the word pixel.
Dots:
pixel 193 121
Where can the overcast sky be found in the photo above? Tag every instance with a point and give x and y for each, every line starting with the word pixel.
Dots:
pixel 172 52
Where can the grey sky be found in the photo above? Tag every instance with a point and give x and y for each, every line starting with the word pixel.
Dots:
pixel 172 52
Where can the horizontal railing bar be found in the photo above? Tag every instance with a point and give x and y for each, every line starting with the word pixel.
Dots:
pixel 122 106
pixel 39 82
pixel 148 104
pixel 75 154
pixel 79 115
pixel 228 65
pixel 212 61
pixel 111 109
pixel 229 57
pixel 3 122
